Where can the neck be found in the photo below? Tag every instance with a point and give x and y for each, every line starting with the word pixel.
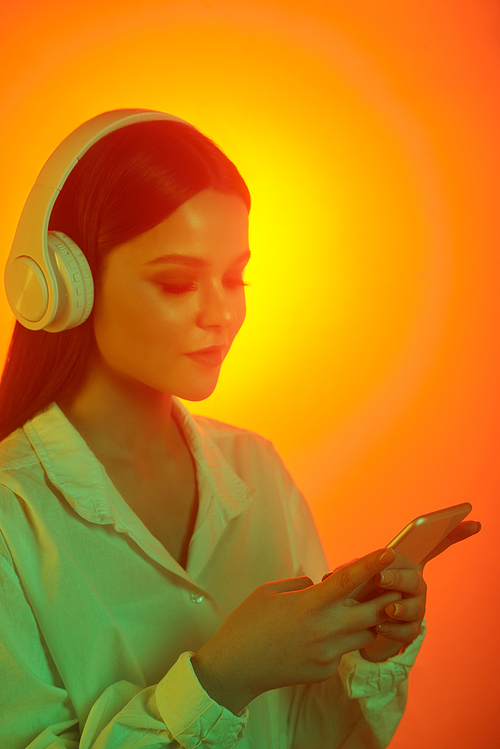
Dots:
pixel 122 420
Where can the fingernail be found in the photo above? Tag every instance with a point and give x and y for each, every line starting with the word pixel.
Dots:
pixel 478 525
pixel 386 578
pixel 386 556
pixel 398 609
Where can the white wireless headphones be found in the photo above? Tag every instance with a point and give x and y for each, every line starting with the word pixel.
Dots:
pixel 48 280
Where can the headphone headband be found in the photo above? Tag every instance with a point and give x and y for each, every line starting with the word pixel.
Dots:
pixel 34 286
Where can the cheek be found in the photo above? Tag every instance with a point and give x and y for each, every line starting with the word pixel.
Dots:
pixel 137 326
pixel 119 325
pixel 241 311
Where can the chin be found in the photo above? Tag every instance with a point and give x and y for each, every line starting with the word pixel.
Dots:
pixel 196 393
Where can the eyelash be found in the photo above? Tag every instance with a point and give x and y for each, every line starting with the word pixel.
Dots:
pixel 178 289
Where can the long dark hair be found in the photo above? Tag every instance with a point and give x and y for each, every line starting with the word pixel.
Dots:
pixel 126 183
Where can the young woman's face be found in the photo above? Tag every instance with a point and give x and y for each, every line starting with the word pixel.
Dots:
pixel 173 291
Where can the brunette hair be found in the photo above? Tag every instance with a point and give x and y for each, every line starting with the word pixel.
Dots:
pixel 124 185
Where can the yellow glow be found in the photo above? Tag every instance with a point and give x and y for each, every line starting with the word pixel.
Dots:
pixel 368 135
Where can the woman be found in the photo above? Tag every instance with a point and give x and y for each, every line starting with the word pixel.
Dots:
pixel 138 542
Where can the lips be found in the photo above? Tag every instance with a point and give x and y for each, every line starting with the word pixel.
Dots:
pixel 208 357
pixel 208 350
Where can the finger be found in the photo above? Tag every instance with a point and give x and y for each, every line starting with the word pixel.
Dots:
pixel 371 589
pixel 343 582
pixel 338 568
pixel 464 530
pixel 358 640
pixel 363 616
pixel 406 581
pixel 406 632
pixel 406 610
pixel 287 585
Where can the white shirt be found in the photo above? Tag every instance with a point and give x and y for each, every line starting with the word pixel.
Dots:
pixel 98 622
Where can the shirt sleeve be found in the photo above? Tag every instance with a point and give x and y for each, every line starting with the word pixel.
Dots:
pixel 37 712
pixel 358 707
pixel 381 690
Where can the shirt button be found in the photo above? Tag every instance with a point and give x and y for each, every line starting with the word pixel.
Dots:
pixel 196 597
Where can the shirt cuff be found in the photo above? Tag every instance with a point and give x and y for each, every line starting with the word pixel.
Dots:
pixel 191 715
pixel 363 678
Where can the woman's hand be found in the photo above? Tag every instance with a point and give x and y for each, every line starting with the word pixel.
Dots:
pixel 292 632
pixel 405 616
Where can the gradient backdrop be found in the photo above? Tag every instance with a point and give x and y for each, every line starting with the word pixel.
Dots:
pixel 368 134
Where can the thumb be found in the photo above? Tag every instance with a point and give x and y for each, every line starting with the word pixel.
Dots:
pixel 464 530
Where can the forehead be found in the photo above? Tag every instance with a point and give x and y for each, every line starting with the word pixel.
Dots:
pixel 211 226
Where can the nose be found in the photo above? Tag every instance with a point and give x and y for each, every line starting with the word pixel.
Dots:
pixel 216 309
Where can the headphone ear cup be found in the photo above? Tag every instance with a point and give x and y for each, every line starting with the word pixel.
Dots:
pixel 75 283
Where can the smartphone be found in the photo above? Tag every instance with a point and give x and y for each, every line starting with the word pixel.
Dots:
pixel 417 540
pixel 424 533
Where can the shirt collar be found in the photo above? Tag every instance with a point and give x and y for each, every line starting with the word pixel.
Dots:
pixel 74 469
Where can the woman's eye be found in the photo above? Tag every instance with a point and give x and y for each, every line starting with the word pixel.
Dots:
pixel 233 282
pixel 184 288
pixel 178 288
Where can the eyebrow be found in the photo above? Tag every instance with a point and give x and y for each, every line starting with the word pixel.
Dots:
pixel 192 260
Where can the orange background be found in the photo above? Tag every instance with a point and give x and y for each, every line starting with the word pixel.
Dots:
pixel 368 135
